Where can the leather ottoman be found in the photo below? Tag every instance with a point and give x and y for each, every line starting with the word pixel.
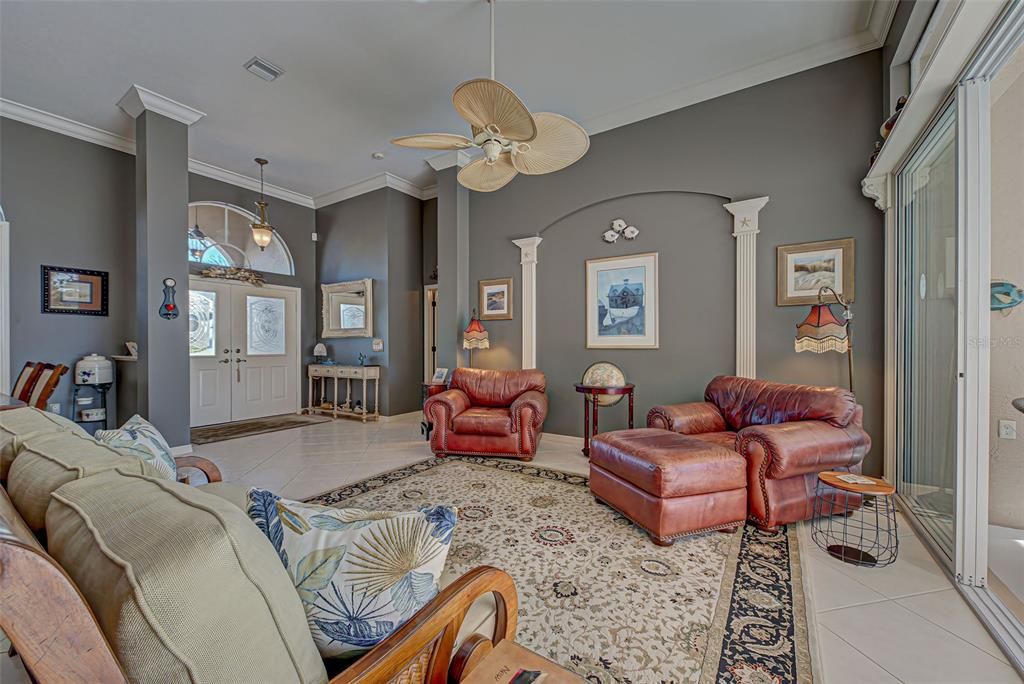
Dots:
pixel 669 484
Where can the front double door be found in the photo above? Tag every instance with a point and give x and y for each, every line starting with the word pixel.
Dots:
pixel 243 351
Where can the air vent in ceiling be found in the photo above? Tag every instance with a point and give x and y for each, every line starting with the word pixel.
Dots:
pixel 263 68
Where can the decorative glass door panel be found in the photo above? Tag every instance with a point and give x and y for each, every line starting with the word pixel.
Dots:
pixel 244 352
pixel 927 234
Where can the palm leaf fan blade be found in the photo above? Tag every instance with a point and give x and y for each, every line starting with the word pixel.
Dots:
pixel 434 141
pixel 483 102
pixel 484 177
pixel 560 142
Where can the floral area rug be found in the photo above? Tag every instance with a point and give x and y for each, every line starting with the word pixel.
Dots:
pixel 595 595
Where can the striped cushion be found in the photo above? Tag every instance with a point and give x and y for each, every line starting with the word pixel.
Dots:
pixel 182 583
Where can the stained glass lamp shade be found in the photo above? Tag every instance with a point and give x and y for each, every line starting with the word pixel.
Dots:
pixel 822 332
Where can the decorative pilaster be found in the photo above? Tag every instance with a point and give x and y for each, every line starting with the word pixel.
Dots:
pixel 745 230
pixel 528 259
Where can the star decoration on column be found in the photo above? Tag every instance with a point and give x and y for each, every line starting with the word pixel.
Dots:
pixel 745 222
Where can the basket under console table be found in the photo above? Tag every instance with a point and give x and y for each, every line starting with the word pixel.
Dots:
pixel 320 374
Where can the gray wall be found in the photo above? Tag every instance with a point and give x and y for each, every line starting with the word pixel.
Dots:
pixel 405 303
pixel 70 203
pixel 378 235
pixel 161 201
pixel 295 224
pixel 803 140
pixel 430 241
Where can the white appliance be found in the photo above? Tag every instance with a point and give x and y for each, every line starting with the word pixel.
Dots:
pixel 94 370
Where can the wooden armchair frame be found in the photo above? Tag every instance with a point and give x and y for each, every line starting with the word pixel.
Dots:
pixel 55 631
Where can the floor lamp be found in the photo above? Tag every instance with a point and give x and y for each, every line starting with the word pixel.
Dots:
pixel 822 332
pixel 475 337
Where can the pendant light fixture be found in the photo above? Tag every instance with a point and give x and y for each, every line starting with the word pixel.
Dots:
pixel 262 232
pixel 194 232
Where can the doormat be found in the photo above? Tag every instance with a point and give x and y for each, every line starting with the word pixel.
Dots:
pixel 253 426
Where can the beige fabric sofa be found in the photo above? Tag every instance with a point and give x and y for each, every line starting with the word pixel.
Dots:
pixel 147 580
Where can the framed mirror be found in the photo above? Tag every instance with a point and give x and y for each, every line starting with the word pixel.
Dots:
pixel 348 309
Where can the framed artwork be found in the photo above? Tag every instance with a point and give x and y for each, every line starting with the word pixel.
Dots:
pixel 622 302
pixel 803 269
pixel 440 374
pixel 496 299
pixel 74 291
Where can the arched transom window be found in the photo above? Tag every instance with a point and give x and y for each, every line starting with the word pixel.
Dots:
pixel 225 239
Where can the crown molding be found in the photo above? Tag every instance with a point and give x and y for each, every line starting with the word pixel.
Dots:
pixel 381 180
pixel 446 160
pixel 250 183
pixel 429 192
pixel 59 124
pixel 870 38
pixel 139 99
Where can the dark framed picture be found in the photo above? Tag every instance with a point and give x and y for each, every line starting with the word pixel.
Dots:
pixel 74 291
pixel 802 270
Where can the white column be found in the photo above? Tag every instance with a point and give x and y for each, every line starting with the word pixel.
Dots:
pixel 745 230
pixel 528 258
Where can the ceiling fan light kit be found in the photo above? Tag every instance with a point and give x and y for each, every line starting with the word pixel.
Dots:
pixel 512 139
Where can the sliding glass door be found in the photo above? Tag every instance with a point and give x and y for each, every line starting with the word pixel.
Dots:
pixel 927 225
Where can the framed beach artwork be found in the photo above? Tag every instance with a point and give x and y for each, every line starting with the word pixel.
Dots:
pixel 804 269
pixel 622 302
pixel 496 299
pixel 74 291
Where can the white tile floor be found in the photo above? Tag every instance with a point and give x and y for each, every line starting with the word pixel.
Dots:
pixel 902 623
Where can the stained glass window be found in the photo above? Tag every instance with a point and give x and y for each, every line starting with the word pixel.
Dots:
pixel 265 323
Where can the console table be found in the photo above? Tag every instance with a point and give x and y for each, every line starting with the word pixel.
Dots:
pixel 321 373
pixel 593 392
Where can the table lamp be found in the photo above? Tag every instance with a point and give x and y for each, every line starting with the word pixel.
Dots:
pixel 822 332
pixel 475 337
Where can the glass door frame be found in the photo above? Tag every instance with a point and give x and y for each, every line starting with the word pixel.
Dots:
pixel 973 187
pixel 906 288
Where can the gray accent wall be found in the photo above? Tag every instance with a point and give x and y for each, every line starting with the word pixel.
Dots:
pixel 70 203
pixel 430 242
pixel 378 235
pixel 803 140
pixel 161 209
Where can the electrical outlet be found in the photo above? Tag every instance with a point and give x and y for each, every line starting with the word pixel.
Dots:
pixel 1007 429
pixel 54 407
pixel 314 236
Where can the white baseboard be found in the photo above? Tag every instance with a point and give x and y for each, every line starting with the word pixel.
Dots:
pixel 183 450
pixel 400 416
pixel 568 440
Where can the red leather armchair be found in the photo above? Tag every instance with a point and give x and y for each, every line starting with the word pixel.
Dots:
pixel 489 413
pixel 786 433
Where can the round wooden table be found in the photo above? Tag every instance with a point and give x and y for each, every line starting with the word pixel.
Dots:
pixel 855 522
pixel 593 391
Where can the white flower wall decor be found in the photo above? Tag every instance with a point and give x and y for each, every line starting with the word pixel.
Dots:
pixel 620 227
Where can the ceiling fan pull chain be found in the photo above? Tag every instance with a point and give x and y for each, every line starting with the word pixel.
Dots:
pixel 491 3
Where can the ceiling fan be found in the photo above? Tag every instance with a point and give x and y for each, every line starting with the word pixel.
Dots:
pixel 513 140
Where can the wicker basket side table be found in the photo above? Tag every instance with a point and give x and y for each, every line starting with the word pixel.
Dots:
pixel 855 522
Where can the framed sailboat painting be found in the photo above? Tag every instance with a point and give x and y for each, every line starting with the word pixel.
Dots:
pixel 622 302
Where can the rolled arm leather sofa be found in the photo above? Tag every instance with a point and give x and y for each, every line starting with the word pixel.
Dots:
pixel 786 433
pixel 489 413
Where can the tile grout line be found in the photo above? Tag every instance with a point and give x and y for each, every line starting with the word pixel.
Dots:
pixel 927 619
pixel 866 656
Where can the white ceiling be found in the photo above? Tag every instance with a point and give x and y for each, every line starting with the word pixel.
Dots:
pixel 360 73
